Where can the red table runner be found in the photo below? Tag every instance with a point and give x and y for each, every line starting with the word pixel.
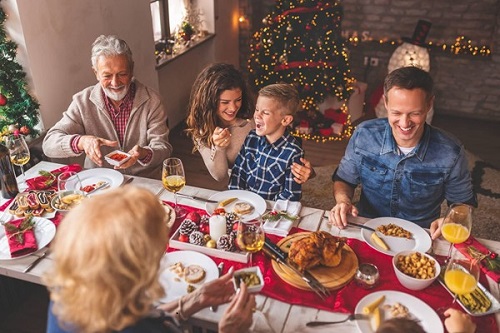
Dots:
pixel 346 298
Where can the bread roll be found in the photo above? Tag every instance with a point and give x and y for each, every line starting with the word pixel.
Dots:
pixel 243 208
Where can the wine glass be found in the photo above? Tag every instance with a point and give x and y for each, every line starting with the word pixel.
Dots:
pixel 250 236
pixel 461 276
pixel 174 180
pixel 457 224
pixel 19 152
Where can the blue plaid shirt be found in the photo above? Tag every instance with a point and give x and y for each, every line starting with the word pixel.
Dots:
pixel 265 168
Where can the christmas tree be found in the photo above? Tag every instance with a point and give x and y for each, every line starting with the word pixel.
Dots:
pixel 301 44
pixel 18 110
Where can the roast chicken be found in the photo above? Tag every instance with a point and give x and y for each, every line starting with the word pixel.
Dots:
pixel 319 248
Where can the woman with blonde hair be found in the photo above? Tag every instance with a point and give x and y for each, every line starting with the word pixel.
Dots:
pixel 107 254
pixel 220 115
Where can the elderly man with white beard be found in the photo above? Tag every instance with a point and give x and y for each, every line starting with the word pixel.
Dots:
pixel 118 112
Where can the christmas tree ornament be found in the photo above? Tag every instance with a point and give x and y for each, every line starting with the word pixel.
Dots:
pixel 3 100
pixel 264 21
pixel 24 130
pixel 319 42
pixel 289 28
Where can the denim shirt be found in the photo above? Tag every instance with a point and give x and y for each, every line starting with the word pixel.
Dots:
pixel 412 186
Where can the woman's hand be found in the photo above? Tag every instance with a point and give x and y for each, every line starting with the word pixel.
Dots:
pixel 221 137
pixel 302 173
pixel 238 316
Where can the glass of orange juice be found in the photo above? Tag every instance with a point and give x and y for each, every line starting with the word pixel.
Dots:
pixel 461 276
pixel 457 224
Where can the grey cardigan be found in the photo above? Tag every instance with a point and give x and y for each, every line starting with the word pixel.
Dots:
pixel 87 115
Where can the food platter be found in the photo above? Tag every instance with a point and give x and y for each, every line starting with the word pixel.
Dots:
pixel 254 199
pixel 45 231
pixel 176 287
pixel 93 176
pixel 46 214
pixel 330 277
pixel 426 316
pixel 421 241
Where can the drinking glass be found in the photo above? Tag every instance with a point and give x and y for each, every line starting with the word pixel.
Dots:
pixel 457 225
pixel 250 236
pixel 174 179
pixel 19 152
pixel 461 276
pixel 69 181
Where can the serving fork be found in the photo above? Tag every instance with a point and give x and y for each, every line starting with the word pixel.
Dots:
pixel 352 316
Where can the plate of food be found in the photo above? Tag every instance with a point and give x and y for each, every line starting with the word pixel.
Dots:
pixel 246 204
pixel 185 271
pixel 398 234
pixel 34 202
pixel 96 177
pixel 390 304
pixel 45 231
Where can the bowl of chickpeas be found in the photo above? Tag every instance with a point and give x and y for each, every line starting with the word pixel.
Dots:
pixel 415 270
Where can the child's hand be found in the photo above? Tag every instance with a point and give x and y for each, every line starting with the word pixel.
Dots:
pixel 458 321
pixel 221 137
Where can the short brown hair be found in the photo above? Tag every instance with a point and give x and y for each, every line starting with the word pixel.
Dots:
pixel 285 94
pixel 398 325
pixel 410 78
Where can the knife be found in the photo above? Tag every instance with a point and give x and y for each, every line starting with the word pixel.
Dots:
pixel 213 308
pixel 35 262
pixel 362 226
pixel 194 197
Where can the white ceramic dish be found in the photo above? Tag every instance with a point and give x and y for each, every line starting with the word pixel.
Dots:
pixel 255 200
pixel 256 270
pixel 421 241
pixel 176 287
pixel 411 282
pixel 45 231
pixel 55 202
pixel 115 162
pixel 93 176
pixel 420 311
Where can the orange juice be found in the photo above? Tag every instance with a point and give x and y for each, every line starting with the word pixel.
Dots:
pixel 459 282
pixel 455 233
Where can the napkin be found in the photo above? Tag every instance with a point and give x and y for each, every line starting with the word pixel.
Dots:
pixel 472 246
pixel 48 182
pixel 21 236
pixel 281 227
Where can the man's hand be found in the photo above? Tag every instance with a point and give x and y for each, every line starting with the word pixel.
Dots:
pixel 338 214
pixel 302 173
pixel 457 321
pixel 435 228
pixel 91 145
pixel 137 153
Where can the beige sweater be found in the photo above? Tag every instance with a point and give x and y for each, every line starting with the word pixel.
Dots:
pixel 87 115
pixel 220 164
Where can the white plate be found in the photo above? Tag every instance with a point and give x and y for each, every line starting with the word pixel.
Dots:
pixel 421 241
pixel 254 199
pixel 92 176
pixel 427 317
pixel 45 231
pixel 47 215
pixel 176 287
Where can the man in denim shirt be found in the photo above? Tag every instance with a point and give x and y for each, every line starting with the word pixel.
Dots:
pixel 406 168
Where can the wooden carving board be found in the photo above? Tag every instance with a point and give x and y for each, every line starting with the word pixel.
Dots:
pixel 331 277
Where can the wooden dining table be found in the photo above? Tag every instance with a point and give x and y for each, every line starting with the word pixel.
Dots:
pixel 272 314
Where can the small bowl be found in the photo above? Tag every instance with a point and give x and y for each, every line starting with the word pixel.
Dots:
pixel 117 157
pixel 367 276
pixel 414 283
pixel 250 271
pixel 73 198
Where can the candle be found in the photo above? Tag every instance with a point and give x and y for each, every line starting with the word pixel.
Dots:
pixel 217 224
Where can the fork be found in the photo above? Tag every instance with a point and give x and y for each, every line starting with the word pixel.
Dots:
pixel 352 316
pixel 242 124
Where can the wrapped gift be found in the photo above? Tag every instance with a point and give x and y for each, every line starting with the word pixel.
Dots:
pixel 326 131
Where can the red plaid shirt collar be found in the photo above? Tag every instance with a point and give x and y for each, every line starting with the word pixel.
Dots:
pixel 119 116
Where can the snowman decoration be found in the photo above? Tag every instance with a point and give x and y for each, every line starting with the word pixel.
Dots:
pixel 411 53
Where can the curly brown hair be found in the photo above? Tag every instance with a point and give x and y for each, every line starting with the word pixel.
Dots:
pixel 204 101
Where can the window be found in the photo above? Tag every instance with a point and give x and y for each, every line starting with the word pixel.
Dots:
pixel 166 15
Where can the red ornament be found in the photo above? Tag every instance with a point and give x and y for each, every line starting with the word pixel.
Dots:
pixel 302 49
pixel 3 100
pixel 184 238
pixel 235 226
pixel 193 216
pixel 205 228
pixel 16 132
pixel 493 255
pixel 307 87
pixel 24 130
pixel 308 27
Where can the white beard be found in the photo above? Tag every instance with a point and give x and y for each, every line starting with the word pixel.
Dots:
pixel 116 96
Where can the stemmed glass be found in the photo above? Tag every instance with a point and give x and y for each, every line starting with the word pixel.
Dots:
pixel 461 276
pixel 19 152
pixel 69 181
pixel 174 180
pixel 457 225
pixel 250 236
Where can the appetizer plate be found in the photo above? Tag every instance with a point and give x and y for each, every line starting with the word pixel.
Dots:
pixel 418 310
pixel 254 199
pixel 45 231
pixel 174 285
pixel 93 176
pixel 47 215
pixel 420 241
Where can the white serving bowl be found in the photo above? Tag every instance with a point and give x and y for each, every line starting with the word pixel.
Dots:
pixel 413 283
pixel 250 270
pixel 122 157
pixel 62 207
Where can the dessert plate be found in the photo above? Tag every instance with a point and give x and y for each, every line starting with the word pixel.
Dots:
pixel 420 241
pixel 174 285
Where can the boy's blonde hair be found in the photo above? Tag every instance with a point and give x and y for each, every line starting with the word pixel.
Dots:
pixel 285 94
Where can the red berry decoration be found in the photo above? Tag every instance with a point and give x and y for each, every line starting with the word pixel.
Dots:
pixel 493 255
pixel 184 238
pixel 24 130
pixel 3 100
pixel 193 216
